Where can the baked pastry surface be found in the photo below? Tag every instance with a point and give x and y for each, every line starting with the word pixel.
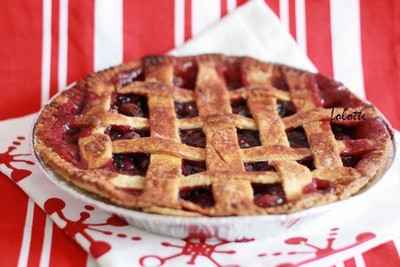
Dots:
pixel 213 135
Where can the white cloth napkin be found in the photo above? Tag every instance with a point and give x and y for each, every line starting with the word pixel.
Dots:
pixel 357 226
pixel 251 30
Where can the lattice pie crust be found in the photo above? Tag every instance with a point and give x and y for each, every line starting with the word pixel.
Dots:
pixel 212 135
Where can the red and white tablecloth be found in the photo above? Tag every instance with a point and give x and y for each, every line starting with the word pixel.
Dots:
pixel 46 44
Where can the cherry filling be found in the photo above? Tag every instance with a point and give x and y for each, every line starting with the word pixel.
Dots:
pixel 280 83
pixel 285 108
pixel 343 132
pixel 308 162
pixel 131 163
pixel 68 145
pixel 256 166
pixel 268 195
pixel 193 137
pixel 319 185
pixel 240 107
pixel 125 132
pixel 231 72
pixel 334 94
pixel 71 134
pixel 131 105
pixel 191 167
pixel 185 74
pixel 200 195
pixel 60 133
pixel 126 77
pixel 372 129
pixel 350 160
pixel 248 138
pixel 186 110
pixel 297 137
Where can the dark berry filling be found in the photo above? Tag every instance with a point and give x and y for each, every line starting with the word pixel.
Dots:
pixel 200 195
pixel 268 195
pixel 69 148
pixel 61 133
pixel 131 105
pixel 192 166
pixel 334 94
pixel 71 134
pixel 285 108
pixel 350 160
pixel 231 72
pixel 240 107
pixel 280 83
pixel 126 77
pixel 372 129
pixel 185 74
pixel 193 137
pixel 319 185
pixel 258 166
pixel 308 162
pixel 343 132
pixel 125 132
pixel 131 163
pixel 186 110
pixel 248 138
pixel 297 137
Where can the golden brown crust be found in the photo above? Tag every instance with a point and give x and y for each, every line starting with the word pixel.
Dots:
pixel 158 191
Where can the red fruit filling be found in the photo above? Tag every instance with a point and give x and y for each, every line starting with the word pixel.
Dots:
pixel 191 167
pixel 130 105
pixel 334 94
pixel 61 134
pixel 186 110
pixel 231 72
pixel 308 162
pixel 350 160
pixel 125 132
pixel 248 138
pixel 285 108
pixel 240 107
pixel 131 163
pixel 280 83
pixel 200 195
pixel 297 137
pixel 193 137
pixel 319 185
pixel 268 195
pixel 185 74
pixel 343 132
pixel 258 166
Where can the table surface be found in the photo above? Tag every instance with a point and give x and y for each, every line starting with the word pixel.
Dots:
pixel 46 45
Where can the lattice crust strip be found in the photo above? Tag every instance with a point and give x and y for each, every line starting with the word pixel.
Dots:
pixel 226 173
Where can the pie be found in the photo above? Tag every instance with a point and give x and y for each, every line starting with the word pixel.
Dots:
pixel 213 135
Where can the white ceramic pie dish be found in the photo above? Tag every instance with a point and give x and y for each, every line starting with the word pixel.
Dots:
pixel 234 227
